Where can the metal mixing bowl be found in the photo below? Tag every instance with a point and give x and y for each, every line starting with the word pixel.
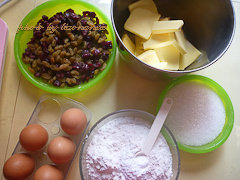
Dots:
pixel 208 25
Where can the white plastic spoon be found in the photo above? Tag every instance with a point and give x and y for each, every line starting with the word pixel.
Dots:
pixel 156 127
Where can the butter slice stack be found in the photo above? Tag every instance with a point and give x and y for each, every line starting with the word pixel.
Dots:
pixel 128 43
pixel 145 4
pixel 159 42
pixel 150 57
pixel 188 58
pixel 140 22
pixel 160 27
pixel 139 45
pixel 156 41
pixel 169 54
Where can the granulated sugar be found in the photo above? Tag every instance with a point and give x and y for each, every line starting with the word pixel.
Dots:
pixel 111 155
pixel 197 116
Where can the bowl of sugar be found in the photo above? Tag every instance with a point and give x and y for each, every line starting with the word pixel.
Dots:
pixel 110 148
pixel 202 114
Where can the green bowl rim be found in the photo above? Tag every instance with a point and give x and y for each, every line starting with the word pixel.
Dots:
pixel 52 89
pixel 229 121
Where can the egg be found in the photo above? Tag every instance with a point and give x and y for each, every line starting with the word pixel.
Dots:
pixel 48 172
pixel 18 167
pixel 73 121
pixel 33 137
pixel 61 150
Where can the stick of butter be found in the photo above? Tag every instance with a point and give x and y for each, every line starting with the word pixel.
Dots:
pixel 150 57
pixel 160 27
pixel 140 22
pixel 128 43
pixel 169 54
pixel 145 4
pixel 191 55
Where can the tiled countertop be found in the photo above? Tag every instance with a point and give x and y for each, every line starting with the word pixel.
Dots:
pixel 118 91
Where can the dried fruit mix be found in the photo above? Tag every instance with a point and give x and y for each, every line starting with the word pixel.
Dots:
pixel 66 50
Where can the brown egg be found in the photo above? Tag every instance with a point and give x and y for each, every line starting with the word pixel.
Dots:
pixel 73 121
pixel 33 137
pixel 61 150
pixel 48 172
pixel 18 167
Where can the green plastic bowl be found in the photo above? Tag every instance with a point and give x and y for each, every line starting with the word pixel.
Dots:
pixel 229 121
pixel 50 8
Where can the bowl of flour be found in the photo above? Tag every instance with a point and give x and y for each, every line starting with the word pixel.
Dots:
pixel 110 148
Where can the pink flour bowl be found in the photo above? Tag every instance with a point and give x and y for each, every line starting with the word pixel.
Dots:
pixel 170 142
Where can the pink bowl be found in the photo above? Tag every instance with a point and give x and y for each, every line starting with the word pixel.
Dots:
pixel 3 42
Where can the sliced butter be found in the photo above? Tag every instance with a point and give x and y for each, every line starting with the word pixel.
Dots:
pixel 139 42
pixel 180 48
pixel 181 39
pixel 139 52
pixel 191 55
pixel 150 57
pixel 139 45
pixel 128 43
pixel 140 22
pixel 165 19
pixel 145 4
pixel 201 61
pixel 160 27
pixel 157 40
pixel 169 54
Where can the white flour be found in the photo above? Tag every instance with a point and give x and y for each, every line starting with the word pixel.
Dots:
pixel 111 153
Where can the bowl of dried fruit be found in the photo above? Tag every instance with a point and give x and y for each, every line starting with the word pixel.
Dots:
pixel 65 47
